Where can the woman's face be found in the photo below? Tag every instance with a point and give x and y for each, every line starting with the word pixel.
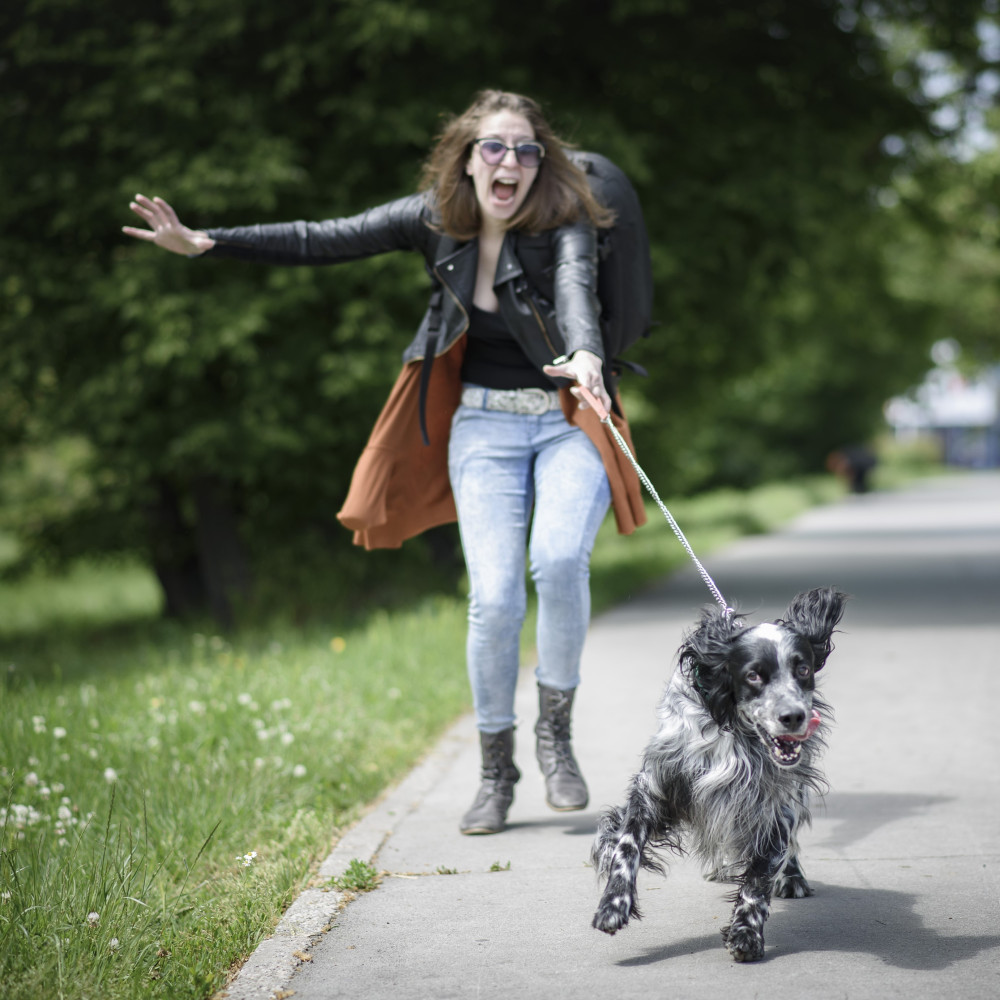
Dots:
pixel 501 187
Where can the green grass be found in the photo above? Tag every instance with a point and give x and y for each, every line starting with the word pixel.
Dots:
pixel 166 792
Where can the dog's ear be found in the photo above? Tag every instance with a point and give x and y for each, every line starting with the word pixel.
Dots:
pixel 815 614
pixel 704 658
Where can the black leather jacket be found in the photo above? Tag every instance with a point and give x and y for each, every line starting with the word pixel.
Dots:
pixel 546 283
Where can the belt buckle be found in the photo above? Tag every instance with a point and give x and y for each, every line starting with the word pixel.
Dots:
pixel 534 402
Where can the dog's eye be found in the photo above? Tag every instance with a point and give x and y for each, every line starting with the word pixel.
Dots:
pixel 752 677
pixel 803 670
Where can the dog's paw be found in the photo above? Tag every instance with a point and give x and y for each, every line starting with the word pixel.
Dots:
pixel 612 914
pixel 744 943
pixel 792 887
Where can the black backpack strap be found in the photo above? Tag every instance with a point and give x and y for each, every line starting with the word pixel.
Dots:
pixel 430 351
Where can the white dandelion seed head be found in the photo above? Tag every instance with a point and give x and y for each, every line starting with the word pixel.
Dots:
pixel 110 775
pixel 299 771
pixel 93 918
pixel 31 779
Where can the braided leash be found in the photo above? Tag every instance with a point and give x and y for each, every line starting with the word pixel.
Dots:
pixel 595 404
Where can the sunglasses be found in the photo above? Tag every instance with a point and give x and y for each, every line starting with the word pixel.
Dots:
pixel 528 154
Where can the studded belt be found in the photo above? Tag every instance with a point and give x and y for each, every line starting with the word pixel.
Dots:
pixel 530 401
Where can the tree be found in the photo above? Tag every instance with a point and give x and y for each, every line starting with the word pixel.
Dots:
pixel 223 405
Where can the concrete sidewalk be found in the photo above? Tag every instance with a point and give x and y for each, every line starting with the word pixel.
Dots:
pixel 904 855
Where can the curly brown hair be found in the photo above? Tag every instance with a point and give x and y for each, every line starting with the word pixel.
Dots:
pixel 559 195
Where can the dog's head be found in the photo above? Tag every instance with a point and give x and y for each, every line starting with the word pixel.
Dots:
pixel 762 677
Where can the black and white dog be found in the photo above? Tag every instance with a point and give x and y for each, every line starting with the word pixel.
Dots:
pixel 729 773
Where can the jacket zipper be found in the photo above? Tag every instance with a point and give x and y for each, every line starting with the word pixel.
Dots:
pixel 542 327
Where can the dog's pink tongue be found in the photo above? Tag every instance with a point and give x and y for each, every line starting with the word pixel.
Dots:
pixel 814 724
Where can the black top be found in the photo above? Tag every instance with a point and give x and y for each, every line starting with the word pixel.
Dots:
pixel 494 359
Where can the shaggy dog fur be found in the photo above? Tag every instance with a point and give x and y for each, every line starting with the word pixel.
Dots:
pixel 728 775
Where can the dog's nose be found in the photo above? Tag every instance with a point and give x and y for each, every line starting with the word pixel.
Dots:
pixel 793 721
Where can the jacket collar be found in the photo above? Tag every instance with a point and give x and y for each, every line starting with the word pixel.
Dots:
pixel 455 263
pixel 508 266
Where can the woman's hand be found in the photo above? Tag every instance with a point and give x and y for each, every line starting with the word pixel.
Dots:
pixel 583 368
pixel 165 229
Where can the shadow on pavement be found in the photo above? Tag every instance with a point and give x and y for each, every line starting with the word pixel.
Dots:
pixel 858 814
pixel 877 922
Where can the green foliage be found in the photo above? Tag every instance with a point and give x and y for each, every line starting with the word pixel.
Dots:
pixel 182 786
pixel 755 135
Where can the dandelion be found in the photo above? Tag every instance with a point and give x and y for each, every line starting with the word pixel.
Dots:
pixel 59 733
pixel 31 779
pixel 4 896
pixel 113 945
pixel 338 644
pixel 299 771
pixel 110 775
pixel 93 918
pixel 196 707
pixel 45 791
pixel 394 694
pixel 38 722
pixel 246 860
pixel 244 698
pixel 287 738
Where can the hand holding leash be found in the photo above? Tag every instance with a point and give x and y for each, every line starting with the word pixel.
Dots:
pixel 584 368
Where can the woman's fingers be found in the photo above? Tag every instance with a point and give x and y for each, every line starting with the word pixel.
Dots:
pixel 585 369
pixel 139 234
pixel 167 212
pixel 165 229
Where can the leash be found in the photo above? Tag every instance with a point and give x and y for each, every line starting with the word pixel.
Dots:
pixel 595 404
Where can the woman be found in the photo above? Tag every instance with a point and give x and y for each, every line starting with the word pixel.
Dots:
pixel 484 421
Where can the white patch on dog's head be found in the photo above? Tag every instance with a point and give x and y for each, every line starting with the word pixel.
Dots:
pixel 768 630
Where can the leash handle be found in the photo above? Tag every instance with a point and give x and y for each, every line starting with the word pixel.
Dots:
pixel 598 407
pixel 594 403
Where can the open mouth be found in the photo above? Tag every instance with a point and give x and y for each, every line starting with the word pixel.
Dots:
pixel 504 190
pixel 786 750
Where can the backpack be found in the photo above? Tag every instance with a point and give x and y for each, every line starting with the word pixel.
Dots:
pixel 624 272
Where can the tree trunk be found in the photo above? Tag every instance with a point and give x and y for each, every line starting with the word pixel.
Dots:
pixel 225 570
pixel 175 555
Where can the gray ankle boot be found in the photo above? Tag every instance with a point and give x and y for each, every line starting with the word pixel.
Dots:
pixel 489 812
pixel 565 789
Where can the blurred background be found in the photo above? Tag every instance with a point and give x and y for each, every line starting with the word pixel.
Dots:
pixel 819 179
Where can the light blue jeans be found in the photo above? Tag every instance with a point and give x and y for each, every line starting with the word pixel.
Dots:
pixel 535 486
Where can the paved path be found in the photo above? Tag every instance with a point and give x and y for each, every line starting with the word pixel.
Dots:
pixel 904 855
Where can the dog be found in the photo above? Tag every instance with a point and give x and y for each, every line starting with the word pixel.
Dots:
pixel 728 775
